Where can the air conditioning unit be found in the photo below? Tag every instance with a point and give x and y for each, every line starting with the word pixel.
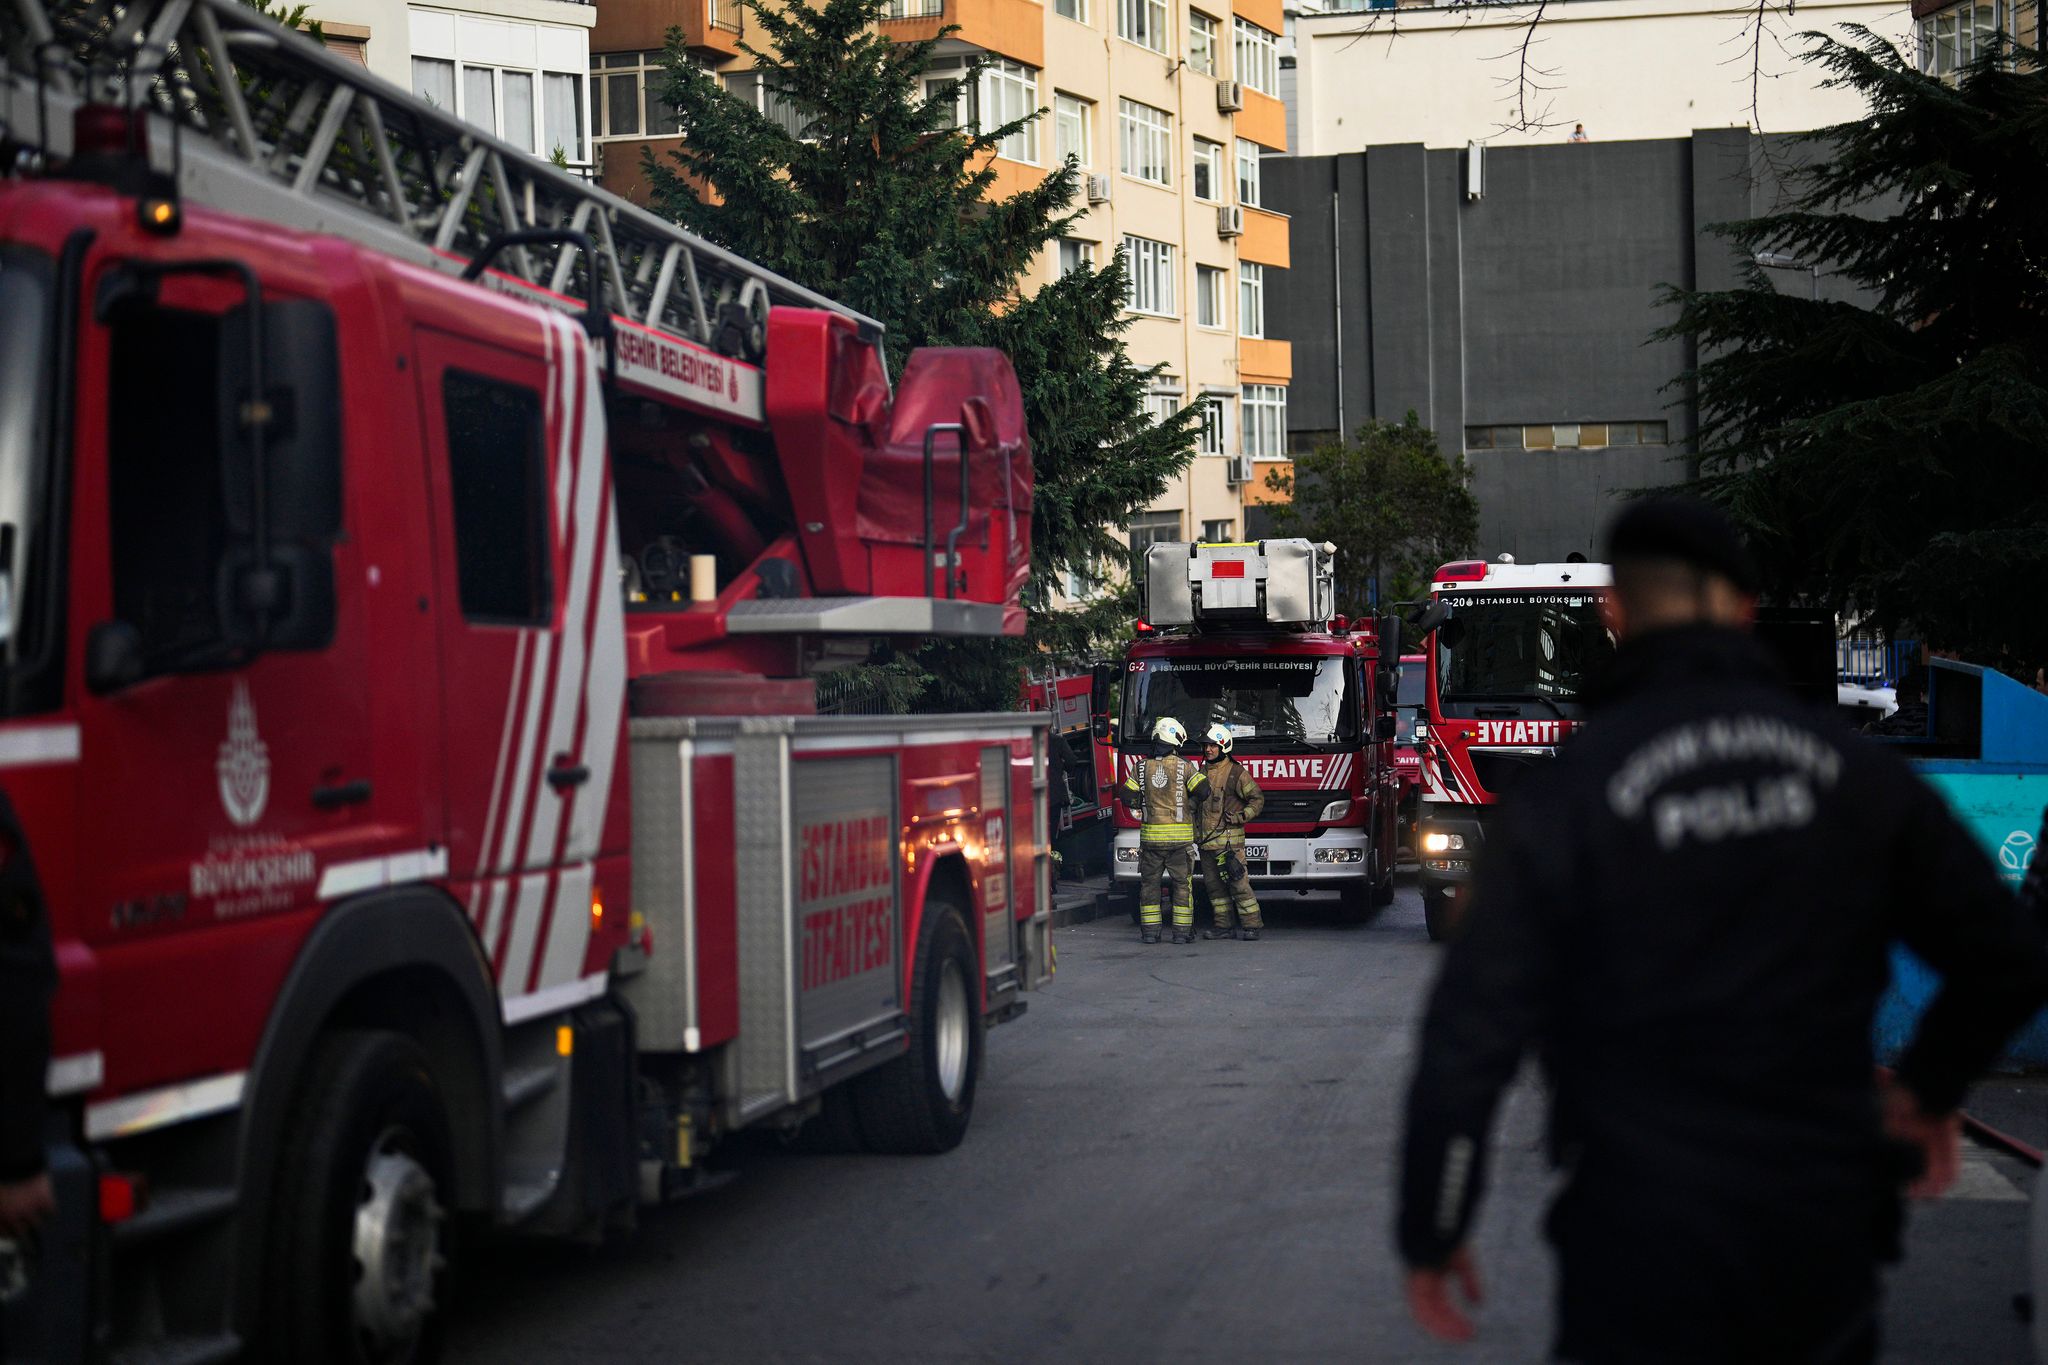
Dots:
pixel 1098 189
pixel 1229 97
pixel 1238 470
pixel 1229 220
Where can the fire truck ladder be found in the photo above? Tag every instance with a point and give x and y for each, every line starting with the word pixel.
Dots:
pixel 256 119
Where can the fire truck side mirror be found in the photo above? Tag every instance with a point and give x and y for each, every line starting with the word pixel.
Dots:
pixel 1383 726
pixel 1101 727
pixel 1432 616
pixel 113 657
pixel 1101 679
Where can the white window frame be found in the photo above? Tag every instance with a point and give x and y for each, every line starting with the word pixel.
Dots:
pixel 1149 264
pixel 1080 248
pixel 1263 415
pixel 1212 292
pixel 1226 536
pixel 1208 155
pixel 1203 42
pixel 1079 8
pixel 1250 182
pixel 1144 22
pixel 1215 438
pixel 1258 57
pixel 603 67
pixel 1251 299
pixel 1144 142
pixel 1073 128
pixel 1009 91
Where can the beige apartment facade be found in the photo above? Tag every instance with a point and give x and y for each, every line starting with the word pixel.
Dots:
pixel 1169 106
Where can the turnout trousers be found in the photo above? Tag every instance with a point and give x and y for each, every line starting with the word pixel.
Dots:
pixel 1229 882
pixel 1170 860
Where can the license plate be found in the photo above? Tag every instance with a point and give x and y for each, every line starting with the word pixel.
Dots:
pixel 1257 851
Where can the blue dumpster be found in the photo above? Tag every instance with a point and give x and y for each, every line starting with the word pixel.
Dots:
pixel 1986 752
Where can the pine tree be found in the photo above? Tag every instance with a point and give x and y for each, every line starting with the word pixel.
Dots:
pixel 1390 502
pixel 1890 455
pixel 883 205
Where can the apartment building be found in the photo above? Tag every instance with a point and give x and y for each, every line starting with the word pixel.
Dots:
pixel 1948 36
pixel 1170 106
pixel 517 67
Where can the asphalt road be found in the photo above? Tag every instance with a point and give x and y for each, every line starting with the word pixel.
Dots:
pixel 1179 1154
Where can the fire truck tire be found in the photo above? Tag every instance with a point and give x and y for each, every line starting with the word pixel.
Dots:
pixel 358 1239
pixel 920 1103
pixel 1437 916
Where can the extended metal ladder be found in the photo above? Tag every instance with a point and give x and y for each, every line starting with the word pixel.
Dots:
pixel 271 125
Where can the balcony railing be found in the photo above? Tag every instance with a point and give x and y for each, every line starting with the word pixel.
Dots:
pixel 723 15
pixel 913 9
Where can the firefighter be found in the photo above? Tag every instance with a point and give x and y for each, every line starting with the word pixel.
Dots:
pixel 1686 913
pixel 1234 802
pixel 1165 788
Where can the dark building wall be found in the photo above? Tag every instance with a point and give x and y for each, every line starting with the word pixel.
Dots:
pixel 1532 305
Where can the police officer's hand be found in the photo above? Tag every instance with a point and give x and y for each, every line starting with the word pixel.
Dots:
pixel 1429 1296
pixel 1937 1137
pixel 24 1204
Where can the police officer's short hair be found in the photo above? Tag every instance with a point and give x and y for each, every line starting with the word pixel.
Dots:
pixel 1656 542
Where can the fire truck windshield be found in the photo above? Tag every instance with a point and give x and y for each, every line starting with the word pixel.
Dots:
pixel 1270 704
pixel 1523 653
pixel 24 389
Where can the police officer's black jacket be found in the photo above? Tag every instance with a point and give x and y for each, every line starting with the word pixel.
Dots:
pixel 1687 914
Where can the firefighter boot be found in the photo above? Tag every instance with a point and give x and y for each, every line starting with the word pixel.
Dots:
pixel 1222 928
pixel 1149 934
pixel 1181 935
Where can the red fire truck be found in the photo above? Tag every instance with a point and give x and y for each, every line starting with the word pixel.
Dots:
pixel 1084 770
pixel 1244 635
pixel 1509 649
pixel 413 563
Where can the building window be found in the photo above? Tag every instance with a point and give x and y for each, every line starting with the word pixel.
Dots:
pixel 1201 43
pixel 1070 120
pixel 913 9
pixel 945 90
pixel 751 88
pixel 626 96
pixel 1219 532
pixel 1142 22
pixel 1077 10
pixel 562 98
pixel 1150 528
pixel 434 82
pixel 1079 585
pixel 1953 38
pixel 1150 265
pixel 1162 404
pixel 1145 143
pixel 1074 254
pixel 1009 92
pixel 1568 436
pixel 1209 291
pixel 1251 299
pixel 1264 409
pixel 1207 171
pixel 1248 190
pixel 1258 58
pixel 1215 424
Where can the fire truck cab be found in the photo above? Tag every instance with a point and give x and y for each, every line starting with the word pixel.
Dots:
pixel 1245 635
pixel 1509 648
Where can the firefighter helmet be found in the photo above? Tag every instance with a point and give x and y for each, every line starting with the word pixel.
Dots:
pixel 1220 736
pixel 1167 730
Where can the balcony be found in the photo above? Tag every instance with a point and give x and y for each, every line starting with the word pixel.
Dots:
pixel 913 9
pixel 1008 28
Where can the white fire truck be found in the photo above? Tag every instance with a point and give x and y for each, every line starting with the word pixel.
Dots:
pixel 413 565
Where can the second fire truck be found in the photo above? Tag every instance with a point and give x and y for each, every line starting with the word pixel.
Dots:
pixel 1246 635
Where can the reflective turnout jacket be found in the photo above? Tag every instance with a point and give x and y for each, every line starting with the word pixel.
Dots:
pixel 1234 800
pixel 1165 791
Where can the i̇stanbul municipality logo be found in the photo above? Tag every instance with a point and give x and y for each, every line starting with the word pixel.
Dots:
pixel 244 763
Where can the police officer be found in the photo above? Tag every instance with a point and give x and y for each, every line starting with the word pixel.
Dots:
pixel 1234 802
pixel 1687 914
pixel 1165 788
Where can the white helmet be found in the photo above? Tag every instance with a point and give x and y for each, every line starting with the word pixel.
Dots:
pixel 1167 730
pixel 1220 736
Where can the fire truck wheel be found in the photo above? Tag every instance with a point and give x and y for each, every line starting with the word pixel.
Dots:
pixel 1437 916
pixel 358 1235
pixel 921 1101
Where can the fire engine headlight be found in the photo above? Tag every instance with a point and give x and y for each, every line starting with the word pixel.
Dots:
pixel 1421 731
pixel 1127 855
pixel 1336 810
pixel 1442 843
pixel 1338 855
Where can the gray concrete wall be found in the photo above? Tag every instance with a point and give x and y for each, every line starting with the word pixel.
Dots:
pixel 1533 304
